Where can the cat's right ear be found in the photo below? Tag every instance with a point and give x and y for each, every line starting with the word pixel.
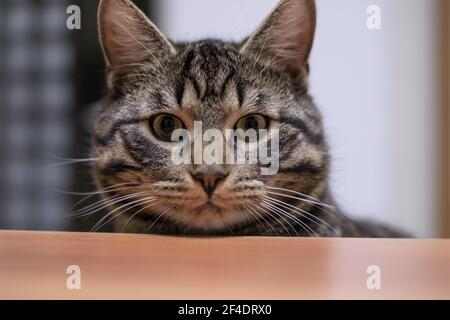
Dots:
pixel 128 38
pixel 285 38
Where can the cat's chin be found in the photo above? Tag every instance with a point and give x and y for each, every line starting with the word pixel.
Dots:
pixel 207 208
pixel 208 217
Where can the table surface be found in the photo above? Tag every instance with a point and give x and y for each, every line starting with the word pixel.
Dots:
pixel 33 265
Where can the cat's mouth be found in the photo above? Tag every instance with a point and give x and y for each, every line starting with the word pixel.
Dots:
pixel 206 208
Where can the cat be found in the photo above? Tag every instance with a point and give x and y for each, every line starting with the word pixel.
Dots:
pixel 156 86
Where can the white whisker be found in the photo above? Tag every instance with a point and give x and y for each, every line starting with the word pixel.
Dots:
pixel 268 211
pixel 71 162
pixel 136 213
pixel 108 189
pixel 314 201
pixel 304 213
pixel 103 204
pixel 131 205
pixel 262 217
pixel 292 217
pixel 157 219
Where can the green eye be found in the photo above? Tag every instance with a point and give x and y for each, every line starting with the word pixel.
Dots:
pixel 255 122
pixel 164 125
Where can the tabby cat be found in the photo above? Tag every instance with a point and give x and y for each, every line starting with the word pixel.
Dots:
pixel 156 87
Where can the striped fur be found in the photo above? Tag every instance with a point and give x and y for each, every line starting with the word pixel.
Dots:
pixel 217 83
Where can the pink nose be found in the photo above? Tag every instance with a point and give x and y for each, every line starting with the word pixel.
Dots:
pixel 209 180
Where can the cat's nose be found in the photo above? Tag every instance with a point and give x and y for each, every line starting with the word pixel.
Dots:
pixel 209 179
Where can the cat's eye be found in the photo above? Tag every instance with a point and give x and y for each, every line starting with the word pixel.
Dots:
pixel 164 125
pixel 254 121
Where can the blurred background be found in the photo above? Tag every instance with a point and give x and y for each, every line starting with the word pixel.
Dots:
pixel 383 93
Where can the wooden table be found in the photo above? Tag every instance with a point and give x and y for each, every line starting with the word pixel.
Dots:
pixel 33 265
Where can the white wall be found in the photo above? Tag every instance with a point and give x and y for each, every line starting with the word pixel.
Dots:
pixel 376 89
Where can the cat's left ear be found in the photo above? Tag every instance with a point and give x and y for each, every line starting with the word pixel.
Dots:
pixel 286 36
pixel 128 37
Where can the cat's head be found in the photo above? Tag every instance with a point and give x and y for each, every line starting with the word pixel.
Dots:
pixel 156 87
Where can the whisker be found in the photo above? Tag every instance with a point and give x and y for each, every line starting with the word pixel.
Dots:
pixel 130 206
pixel 101 200
pixel 292 217
pixel 319 201
pixel 267 222
pixel 276 179
pixel 258 223
pixel 77 193
pixel 74 161
pixel 334 212
pixel 276 218
pixel 298 198
pixel 304 213
pixel 147 230
pixel 108 189
pixel 61 158
pixel 136 213
pixel 103 204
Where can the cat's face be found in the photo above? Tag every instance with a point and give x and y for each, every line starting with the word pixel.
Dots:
pixel 157 87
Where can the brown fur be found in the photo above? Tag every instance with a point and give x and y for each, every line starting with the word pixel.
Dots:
pixel 217 83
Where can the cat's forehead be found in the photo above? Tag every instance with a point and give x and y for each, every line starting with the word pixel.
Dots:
pixel 208 55
pixel 210 83
pixel 209 68
pixel 209 80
